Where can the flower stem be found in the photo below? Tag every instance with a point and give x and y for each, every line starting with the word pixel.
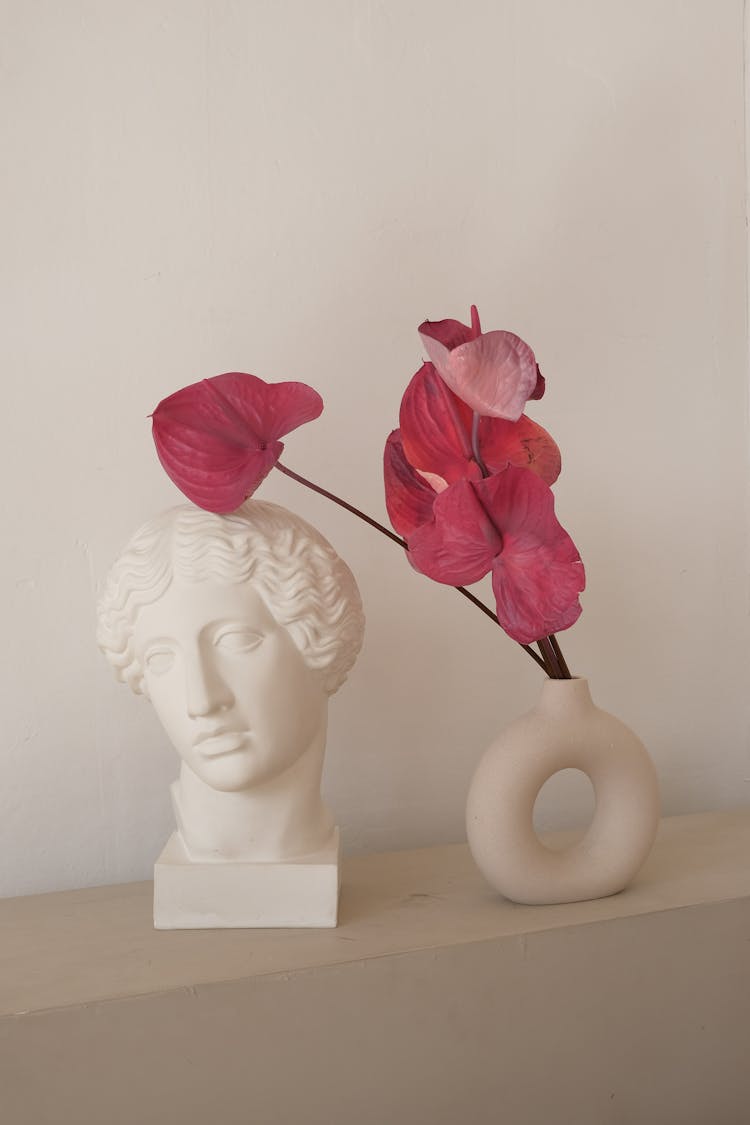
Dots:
pixel 557 669
pixel 486 609
pixel 401 542
pixel 560 658
pixel 342 503
pixel 553 668
pixel 475 445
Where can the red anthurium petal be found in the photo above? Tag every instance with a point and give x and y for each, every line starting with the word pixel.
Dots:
pixel 458 545
pixel 524 444
pixel 538 575
pixel 270 409
pixel 494 374
pixel 437 352
pixel 541 385
pixel 447 333
pixel 408 497
pixel 203 411
pixel 215 474
pixel 436 428
pixel 218 439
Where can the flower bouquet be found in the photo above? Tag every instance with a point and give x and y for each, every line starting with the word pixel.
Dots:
pixel 468 479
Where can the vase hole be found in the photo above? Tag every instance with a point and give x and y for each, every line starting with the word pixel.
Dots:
pixel 565 802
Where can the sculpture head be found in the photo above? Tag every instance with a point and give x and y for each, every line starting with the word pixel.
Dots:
pixel 238 628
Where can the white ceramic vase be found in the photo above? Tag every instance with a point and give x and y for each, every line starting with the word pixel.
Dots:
pixel 564 731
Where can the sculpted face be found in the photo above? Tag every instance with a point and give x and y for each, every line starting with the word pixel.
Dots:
pixel 231 689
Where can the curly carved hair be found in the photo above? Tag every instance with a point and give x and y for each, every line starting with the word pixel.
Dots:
pixel 306 586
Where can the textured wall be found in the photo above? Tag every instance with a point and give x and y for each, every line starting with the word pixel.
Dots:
pixel 289 188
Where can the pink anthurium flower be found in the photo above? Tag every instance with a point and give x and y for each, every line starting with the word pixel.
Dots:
pixel 436 435
pixel 504 524
pixel 218 439
pixel 494 373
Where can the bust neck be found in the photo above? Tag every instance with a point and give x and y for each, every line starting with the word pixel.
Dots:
pixel 279 819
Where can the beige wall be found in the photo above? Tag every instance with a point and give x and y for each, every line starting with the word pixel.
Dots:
pixel 289 188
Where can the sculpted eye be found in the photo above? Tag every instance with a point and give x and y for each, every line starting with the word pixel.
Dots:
pixel 159 660
pixel 238 639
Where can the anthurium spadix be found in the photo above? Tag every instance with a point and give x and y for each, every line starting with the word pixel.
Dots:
pixel 494 373
pixel 218 439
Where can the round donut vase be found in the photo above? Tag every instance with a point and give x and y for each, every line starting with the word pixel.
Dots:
pixel 564 731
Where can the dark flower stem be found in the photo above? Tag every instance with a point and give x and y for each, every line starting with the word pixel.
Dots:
pixel 560 658
pixel 342 503
pixel 550 658
pixel 486 609
pixel 554 660
pixel 402 543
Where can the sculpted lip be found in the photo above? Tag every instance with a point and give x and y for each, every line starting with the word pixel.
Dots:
pixel 214 743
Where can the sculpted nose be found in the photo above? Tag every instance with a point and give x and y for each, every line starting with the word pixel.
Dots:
pixel 206 692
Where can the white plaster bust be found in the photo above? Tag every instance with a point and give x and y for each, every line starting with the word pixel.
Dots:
pixel 237 628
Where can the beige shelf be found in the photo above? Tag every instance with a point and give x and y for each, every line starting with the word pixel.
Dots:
pixel 434 1000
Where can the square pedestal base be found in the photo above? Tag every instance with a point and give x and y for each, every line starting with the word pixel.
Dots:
pixel 301 893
